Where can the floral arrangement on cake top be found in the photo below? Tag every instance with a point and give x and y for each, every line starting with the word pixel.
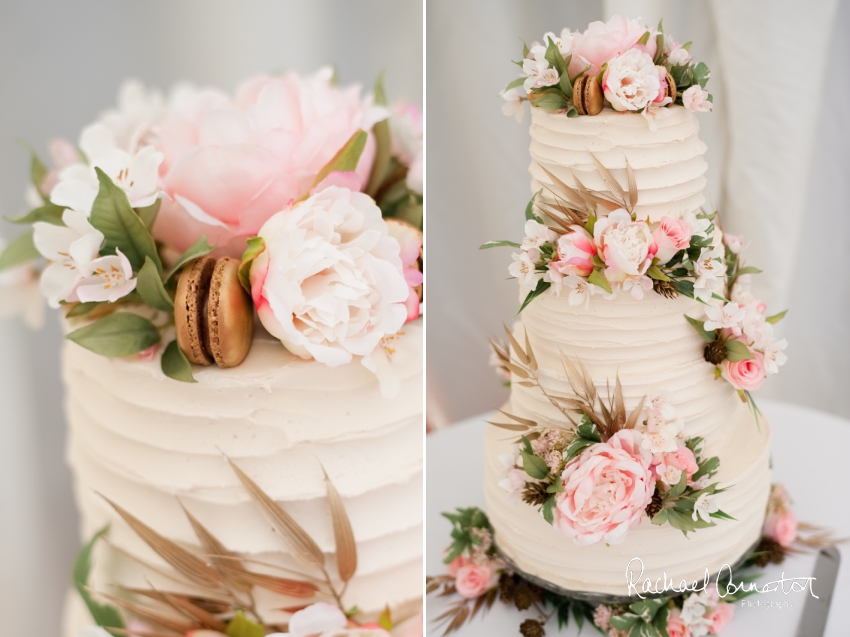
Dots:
pixel 597 475
pixel 211 591
pixel 622 64
pixel 478 576
pixel 175 218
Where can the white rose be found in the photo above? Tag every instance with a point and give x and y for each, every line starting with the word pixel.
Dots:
pixel 631 81
pixel 627 246
pixel 329 283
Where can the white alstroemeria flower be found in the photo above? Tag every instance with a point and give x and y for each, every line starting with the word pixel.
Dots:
pixel 742 290
pixel 658 405
pixel 581 290
pixel 564 42
pixel 19 293
pixel 705 506
pixel 728 316
pixel 698 226
pixel 655 111
pixel 670 475
pixel 137 174
pixel 533 66
pixel 513 106
pixel 774 357
pixel 662 437
pixel 70 250
pixel 524 269
pixel 536 235
pixel 735 242
pixel 636 287
pixel 549 77
pixel 693 611
pixel 108 278
pixel 702 483
pixel 710 273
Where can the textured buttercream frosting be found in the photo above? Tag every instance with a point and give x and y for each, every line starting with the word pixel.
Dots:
pixel 651 347
pixel 150 443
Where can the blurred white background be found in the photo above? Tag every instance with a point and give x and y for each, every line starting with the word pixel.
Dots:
pixel 60 65
pixel 778 156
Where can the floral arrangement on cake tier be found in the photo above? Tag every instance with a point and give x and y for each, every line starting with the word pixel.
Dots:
pixel 212 591
pixel 175 218
pixel 621 63
pixel 478 576
pixel 599 474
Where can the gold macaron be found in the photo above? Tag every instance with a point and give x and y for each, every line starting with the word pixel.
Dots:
pixel 671 89
pixel 213 314
pixel 587 95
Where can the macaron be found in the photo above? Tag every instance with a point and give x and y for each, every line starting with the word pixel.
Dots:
pixel 587 95
pixel 213 314
pixel 671 89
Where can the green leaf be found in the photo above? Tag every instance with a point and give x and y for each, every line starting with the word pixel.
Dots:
pixel 121 226
pixel 709 467
pixel 776 317
pixel 526 445
pixel 588 431
pixel 542 286
pixel 102 614
pixel 685 288
pixel 383 140
pixel 681 521
pixel 554 58
pixel 624 621
pixel 241 626
pixel 591 224
pixel 660 517
pixel 345 160
pixel 576 447
pixel 701 74
pixel 552 100
pixel 557 487
pixel 644 38
pixel 256 246
pixel 679 489
pixel 660 621
pixel 699 326
pixel 150 288
pixel 517 82
pixel 119 334
pixel 534 466
pixel 148 213
pixel 529 209
pixel 200 248
pixel 38 172
pixel 737 351
pixel 385 619
pixel 749 270
pixel 175 364
pixel 81 309
pixel 655 272
pixel 498 244
pixel 597 278
pixel 49 213
pixel 19 250
pixel 548 510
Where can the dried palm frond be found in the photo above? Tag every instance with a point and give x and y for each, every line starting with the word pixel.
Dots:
pixel 346 550
pixel 819 537
pixel 201 616
pixel 159 619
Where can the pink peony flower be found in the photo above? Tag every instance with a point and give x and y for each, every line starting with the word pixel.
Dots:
pixel 719 616
pixel 472 580
pixel 696 100
pixel 606 489
pixel 630 81
pixel 781 527
pixel 676 626
pixel 329 283
pixel 231 164
pixel 410 240
pixel 747 375
pixel 627 247
pixel 670 236
pixel 575 251
pixel 603 41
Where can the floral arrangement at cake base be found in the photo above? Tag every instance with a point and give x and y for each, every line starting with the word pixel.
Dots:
pixel 477 577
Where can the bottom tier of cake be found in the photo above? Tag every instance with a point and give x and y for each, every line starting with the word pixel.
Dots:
pixel 537 549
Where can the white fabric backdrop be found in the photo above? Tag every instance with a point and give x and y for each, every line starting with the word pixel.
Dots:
pixel 60 65
pixel 778 159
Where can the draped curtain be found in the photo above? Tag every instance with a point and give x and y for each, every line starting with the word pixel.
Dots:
pixel 60 65
pixel 778 163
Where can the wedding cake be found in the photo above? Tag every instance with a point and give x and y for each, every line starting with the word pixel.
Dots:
pixel 240 279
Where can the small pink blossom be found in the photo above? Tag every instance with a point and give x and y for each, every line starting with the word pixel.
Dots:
pixel 472 580
pixel 781 527
pixel 696 100
pixel 575 251
pixel 719 616
pixel 671 235
pixel 676 626
pixel 747 375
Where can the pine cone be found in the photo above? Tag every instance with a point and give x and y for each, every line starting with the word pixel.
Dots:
pixel 526 595
pixel 535 493
pixel 655 505
pixel 715 352
pixel 771 552
pixel 531 628
pixel 507 588
pixel 667 289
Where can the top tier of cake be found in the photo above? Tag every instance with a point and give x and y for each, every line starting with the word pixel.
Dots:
pixel 668 162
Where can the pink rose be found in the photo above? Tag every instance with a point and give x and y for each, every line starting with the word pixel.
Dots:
pixel 682 459
pixel 575 251
pixel 456 564
pixel 606 489
pixel 747 375
pixel 719 617
pixel 603 41
pixel 676 627
pixel 671 235
pixel 231 164
pixel 472 580
pixel 781 527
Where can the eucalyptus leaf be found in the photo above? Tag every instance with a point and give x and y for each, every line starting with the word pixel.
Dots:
pixel 737 351
pixel 102 614
pixel 116 335
pixel 706 335
pixel 20 250
pixel 121 226
pixel 48 213
pixel 150 287
pixel 200 248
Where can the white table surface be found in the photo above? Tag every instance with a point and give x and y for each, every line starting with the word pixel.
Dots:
pixel 810 456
